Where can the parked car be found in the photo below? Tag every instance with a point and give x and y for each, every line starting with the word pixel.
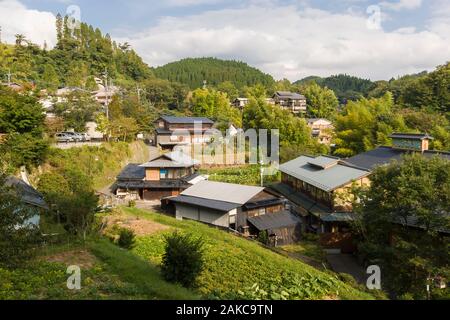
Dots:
pixel 75 136
pixel 62 137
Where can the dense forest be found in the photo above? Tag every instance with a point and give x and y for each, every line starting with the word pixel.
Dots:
pixel 193 72
pixel 345 87
pixel 79 55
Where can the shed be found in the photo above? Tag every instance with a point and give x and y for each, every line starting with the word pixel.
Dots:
pixel 282 228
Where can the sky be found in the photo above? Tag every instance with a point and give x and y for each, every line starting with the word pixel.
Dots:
pixel 286 38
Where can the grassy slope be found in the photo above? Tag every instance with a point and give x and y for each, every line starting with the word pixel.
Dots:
pixel 144 275
pixel 103 162
pixel 115 274
pixel 233 263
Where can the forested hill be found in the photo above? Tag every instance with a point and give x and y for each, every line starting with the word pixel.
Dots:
pixel 345 87
pixel 193 71
pixel 79 56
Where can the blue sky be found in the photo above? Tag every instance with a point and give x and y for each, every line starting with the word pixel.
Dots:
pixel 286 38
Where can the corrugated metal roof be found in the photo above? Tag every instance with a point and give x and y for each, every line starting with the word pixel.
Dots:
pixel 278 220
pixel 190 120
pixel 228 192
pixel 325 179
pixel 205 203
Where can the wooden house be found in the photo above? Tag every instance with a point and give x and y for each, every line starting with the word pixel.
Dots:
pixel 181 131
pixel 321 129
pixel 293 102
pixel 236 207
pixel 166 175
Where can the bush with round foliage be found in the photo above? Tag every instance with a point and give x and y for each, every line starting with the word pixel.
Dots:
pixel 127 238
pixel 183 258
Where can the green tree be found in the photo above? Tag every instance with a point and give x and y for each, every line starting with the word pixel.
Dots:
pixel 18 237
pixel 183 259
pixel 365 124
pixel 322 102
pixel 415 190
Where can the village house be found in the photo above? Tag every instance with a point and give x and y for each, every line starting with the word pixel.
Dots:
pixel 293 102
pixel 246 209
pixel 240 103
pixel 321 129
pixel 402 144
pixel 319 189
pixel 29 197
pixel 182 131
pixel 166 175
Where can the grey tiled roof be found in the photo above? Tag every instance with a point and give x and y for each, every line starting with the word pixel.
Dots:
pixel 27 193
pixel 182 120
pixel 132 171
pixel 420 136
pixel 277 220
pixel 384 155
pixel 171 160
pixel 289 95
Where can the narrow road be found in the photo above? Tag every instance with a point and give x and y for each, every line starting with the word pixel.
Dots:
pixel 347 263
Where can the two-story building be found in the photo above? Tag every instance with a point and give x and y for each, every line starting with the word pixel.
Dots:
pixel 179 131
pixel 248 210
pixel 293 102
pixel 321 129
pixel 319 189
pixel 166 175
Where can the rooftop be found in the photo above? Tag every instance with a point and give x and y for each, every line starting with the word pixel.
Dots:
pixel 205 203
pixel 315 172
pixel 414 136
pixel 384 155
pixel 289 95
pixel 226 192
pixel 26 192
pixel 184 120
pixel 281 219
pixel 171 160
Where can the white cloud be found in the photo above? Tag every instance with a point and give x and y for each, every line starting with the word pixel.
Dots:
pixel 37 26
pixel 401 4
pixel 286 41
pixel 186 3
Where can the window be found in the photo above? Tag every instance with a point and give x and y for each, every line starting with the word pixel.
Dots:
pixel 163 173
pixel 261 211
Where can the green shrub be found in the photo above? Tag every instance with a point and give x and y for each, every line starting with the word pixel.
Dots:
pixel 127 238
pixel 263 237
pixel 348 279
pixel 132 203
pixel 183 259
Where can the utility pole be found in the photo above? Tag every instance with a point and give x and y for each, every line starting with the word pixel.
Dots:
pixel 139 90
pixel 8 77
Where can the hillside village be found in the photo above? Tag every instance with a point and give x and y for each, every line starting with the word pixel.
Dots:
pixel 95 157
